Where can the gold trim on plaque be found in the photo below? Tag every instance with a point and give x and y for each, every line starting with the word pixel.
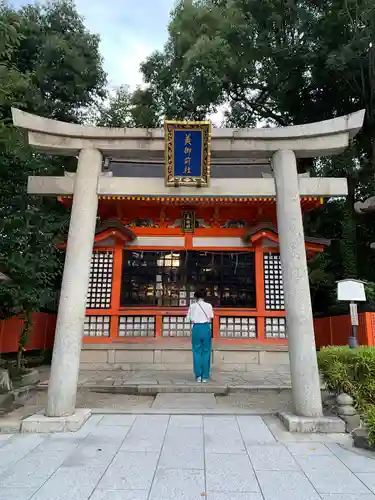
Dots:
pixel 195 181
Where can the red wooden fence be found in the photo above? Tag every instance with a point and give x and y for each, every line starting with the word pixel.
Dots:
pixel 40 337
pixel 335 330
pixel 332 330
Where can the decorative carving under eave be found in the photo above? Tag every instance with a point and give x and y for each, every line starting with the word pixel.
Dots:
pixel 269 231
pixel 139 222
pixel 177 223
pixel 106 231
pixel 233 223
pixel 199 223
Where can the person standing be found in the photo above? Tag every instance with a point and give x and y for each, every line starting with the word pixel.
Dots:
pixel 200 314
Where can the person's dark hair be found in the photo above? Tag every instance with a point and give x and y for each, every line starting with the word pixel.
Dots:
pixel 199 294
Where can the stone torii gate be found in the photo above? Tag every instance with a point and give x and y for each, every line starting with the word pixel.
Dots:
pixel 92 144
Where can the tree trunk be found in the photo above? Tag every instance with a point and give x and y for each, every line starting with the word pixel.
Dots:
pixel 22 341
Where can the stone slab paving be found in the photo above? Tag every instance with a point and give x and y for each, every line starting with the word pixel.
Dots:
pixel 37 400
pixel 251 402
pixel 185 457
pixel 185 401
pixel 261 401
pixel 265 390
pixel 261 376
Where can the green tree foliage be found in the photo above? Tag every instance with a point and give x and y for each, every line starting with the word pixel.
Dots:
pixel 123 108
pixel 49 65
pixel 279 62
pixel 116 111
pixel 58 55
pixel 284 62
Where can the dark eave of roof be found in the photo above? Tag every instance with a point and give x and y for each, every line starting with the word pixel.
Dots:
pixel 219 170
pixel 267 226
pixel 115 224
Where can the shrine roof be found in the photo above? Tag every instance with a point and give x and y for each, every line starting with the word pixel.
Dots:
pixel 115 225
pixel 112 227
pixel 267 227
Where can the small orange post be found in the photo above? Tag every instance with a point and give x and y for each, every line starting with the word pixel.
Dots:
pixel 261 328
pixel 216 327
pixel 113 330
pixel 158 325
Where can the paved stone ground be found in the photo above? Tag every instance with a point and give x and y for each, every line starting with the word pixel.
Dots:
pixel 255 402
pixel 37 400
pixel 266 376
pixel 263 391
pixel 182 457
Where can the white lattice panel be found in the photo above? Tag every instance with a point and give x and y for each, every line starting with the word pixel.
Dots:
pixel 100 283
pixel 230 326
pixel 136 326
pixel 273 282
pixel 176 326
pixel 97 326
pixel 275 328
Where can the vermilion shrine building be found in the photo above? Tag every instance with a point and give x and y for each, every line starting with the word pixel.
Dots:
pixel 237 231
pixel 146 266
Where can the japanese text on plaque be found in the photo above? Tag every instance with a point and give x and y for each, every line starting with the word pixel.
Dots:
pixel 187 152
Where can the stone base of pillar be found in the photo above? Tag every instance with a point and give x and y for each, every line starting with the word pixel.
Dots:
pixel 325 425
pixel 40 423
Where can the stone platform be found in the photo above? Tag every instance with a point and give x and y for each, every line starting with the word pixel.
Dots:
pixel 264 391
pixel 152 382
pixel 174 354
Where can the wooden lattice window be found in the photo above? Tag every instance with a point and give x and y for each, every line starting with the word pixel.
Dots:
pixel 136 326
pixel 276 328
pixel 100 282
pixel 231 326
pixel 97 326
pixel 176 326
pixel 273 282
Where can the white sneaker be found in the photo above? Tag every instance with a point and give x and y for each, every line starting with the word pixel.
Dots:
pixel 205 381
pixel 199 379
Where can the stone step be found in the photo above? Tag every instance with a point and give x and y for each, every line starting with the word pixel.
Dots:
pixel 154 389
pixel 184 411
pixel 185 401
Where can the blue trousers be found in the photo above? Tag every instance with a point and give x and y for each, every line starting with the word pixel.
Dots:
pixel 201 344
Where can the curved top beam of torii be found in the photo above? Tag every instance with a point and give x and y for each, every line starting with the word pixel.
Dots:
pixel 314 139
